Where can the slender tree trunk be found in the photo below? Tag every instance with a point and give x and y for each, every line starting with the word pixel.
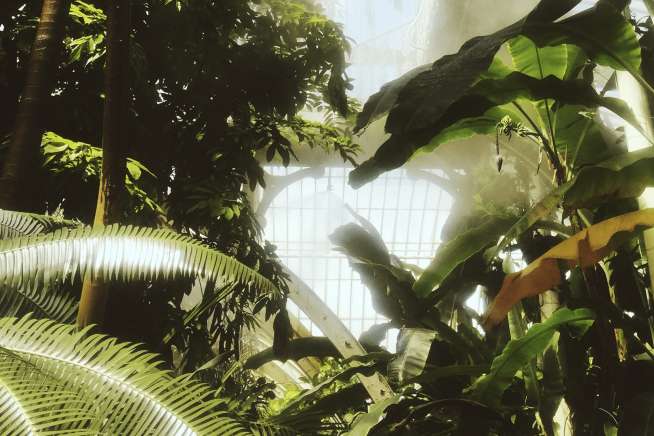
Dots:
pixel 110 205
pixel 17 184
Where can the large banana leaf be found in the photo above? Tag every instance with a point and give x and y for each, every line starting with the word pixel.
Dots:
pixel 478 99
pixel 56 378
pixel 584 249
pixel 116 252
pixel 624 176
pixel 621 177
pixel 436 98
pixel 489 388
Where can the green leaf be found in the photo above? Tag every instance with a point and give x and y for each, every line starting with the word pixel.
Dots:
pixel 366 421
pixel 469 127
pixel 382 101
pixel 624 176
pixel 489 388
pixel 458 250
pixel 485 95
pixel 602 32
pixel 540 62
pixel 96 385
pixel 413 345
pixel 435 99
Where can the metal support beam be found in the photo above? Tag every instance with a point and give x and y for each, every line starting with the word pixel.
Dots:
pixel 332 327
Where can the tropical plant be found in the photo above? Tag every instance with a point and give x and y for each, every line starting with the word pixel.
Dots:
pixel 579 241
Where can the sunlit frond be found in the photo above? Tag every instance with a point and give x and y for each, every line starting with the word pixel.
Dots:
pixel 116 252
pixel 84 381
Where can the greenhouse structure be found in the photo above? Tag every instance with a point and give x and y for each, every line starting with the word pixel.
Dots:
pixel 327 217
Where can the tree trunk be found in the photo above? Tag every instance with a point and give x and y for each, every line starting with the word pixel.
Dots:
pixel 17 182
pixel 110 205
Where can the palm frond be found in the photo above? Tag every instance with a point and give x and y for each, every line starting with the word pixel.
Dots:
pixel 31 406
pixel 116 387
pixel 115 252
pixel 15 224
pixel 50 302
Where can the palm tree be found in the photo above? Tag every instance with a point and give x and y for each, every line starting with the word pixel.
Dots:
pixel 25 144
pixel 109 205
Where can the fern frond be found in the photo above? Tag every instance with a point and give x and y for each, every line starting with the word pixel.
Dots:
pixel 15 224
pixel 118 384
pixel 115 252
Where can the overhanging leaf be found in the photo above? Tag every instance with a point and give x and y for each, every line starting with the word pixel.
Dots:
pixel 544 273
pixel 624 176
pixel 413 345
pixel 489 388
pixel 428 102
pixel 364 422
pixel 116 252
pixel 458 250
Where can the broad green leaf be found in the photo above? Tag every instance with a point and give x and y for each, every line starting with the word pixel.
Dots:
pixel 543 209
pixel 413 345
pixel 469 127
pixel 453 253
pixel 601 31
pixel 366 421
pixel 483 96
pixel 539 62
pixel 489 388
pixel 624 176
pixel 581 140
pixel 435 99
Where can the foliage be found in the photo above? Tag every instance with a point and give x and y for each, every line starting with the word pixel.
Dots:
pixel 222 94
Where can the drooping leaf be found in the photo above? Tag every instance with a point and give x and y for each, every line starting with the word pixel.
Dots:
pixel 382 101
pixel 489 388
pixel 458 250
pixel 436 98
pixel 545 273
pixel 116 252
pixel 624 176
pixel 413 345
pixel 364 422
pixel 483 96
